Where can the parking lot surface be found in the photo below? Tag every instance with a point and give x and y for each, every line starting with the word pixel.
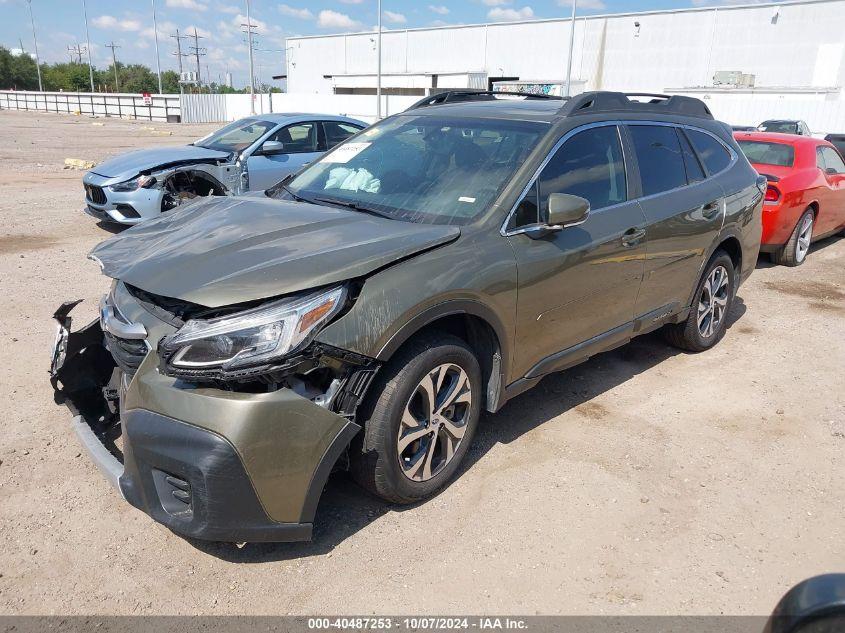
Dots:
pixel 646 481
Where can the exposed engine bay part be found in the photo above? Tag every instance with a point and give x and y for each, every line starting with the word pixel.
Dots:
pixel 184 185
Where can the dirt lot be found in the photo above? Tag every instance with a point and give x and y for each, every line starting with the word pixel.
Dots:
pixel 646 481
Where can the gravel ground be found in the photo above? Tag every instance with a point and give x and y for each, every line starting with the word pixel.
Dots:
pixel 646 481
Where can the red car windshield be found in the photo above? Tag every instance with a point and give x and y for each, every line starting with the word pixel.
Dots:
pixel 765 153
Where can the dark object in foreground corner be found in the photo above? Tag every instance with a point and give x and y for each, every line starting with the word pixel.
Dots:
pixel 816 605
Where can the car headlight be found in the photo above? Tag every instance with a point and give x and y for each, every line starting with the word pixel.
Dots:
pixel 252 337
pixel 134 184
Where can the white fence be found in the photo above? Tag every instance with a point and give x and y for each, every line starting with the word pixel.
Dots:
pixel 124 105
pixel 824 111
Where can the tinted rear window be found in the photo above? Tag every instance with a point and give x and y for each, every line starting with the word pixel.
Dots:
pixel 712 153
pixel 766 153
pixel 659 157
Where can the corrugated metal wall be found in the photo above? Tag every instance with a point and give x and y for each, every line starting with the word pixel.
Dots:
pixel 203 108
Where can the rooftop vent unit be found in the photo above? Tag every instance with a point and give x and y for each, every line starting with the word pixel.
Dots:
pixel 733 79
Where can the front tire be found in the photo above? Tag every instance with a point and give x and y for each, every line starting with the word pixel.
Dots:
pixel 420 419
pixel 707 321
pixel 794 252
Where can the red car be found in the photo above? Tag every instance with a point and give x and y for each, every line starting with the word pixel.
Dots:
pixel 805 199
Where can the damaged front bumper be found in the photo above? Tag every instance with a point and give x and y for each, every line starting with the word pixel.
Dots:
pixel 207 463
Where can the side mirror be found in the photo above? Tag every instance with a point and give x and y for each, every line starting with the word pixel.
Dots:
pixel 816 605
pixel 831 171
pixel 567 210
pixel 271 148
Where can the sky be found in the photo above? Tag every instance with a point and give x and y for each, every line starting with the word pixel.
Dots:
pixel 129 24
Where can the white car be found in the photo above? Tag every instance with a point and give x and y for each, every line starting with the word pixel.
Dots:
pixel 252 154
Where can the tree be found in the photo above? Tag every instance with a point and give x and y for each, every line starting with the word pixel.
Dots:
pixel 17 71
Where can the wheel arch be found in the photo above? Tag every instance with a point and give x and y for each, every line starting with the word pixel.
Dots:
pixel 474 323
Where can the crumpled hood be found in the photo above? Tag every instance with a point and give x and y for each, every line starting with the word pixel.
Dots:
pixel 131 164
pixel 229 250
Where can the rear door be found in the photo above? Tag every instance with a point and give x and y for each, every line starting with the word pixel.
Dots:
pixel 832 207
pixel 578 284
pixel 302 144
pixel 338 131
pixel 684 208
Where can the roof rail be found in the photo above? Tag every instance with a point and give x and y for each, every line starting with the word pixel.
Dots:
pixel 457 96
pixel 603 101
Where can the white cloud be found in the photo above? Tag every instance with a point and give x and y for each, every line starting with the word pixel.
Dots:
pixel 439 9
pixel 394 18
pixel 189 30
pixel 302 14
pixel 192 5
pixel 495 3
pixel 498 14
pixel 352 1
pixel 164 30
pixel 328 19
pixel 228 8
pixel 595 5
pixel 111 22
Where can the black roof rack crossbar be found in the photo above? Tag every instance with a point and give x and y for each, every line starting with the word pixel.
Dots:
pixel 603 101
pixel 457 96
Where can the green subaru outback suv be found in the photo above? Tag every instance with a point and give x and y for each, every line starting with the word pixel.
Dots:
pixel 363 313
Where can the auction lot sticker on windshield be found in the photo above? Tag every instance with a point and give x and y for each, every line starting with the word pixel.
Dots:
pixel 345 153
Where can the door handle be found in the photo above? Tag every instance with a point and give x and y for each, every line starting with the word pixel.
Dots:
pixel 711 209
pixel 632 236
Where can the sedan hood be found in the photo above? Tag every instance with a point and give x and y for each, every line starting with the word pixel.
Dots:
pixel 133 163
pixel 229 250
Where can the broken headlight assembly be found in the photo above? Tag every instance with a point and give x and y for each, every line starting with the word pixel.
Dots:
pixel 253 338
pixel 140 182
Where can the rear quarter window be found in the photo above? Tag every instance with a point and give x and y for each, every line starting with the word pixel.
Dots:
pixel 713 154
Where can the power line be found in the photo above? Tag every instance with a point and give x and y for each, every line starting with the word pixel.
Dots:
pixel 197 51
pixel 249 30
pixel 179 54
pixel 113 46
pixel 76 50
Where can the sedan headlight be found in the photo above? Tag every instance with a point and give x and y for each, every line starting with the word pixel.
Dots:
pixel 134 184
pixel 252 337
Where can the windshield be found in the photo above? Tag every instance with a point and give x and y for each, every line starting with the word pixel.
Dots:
pixel 236 136
pixel 765 153
pixel 422 168
pixel 784 127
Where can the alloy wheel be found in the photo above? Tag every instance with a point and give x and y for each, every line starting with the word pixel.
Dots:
pixel 805 235
pixel 434 422
pixel 713 302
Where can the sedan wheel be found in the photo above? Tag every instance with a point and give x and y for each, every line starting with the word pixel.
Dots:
pixel 434 422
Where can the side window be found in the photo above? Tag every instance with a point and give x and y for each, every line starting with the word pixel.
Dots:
pixel 820 159
pixel 298 138
pixel 659 157
pixel 832 160
pixel 337 132
pixel 713 154
pixel 589 165
pixel 527 212
pixel 695 173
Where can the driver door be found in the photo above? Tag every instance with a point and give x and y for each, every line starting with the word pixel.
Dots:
pixel 302 143
pixel 577 286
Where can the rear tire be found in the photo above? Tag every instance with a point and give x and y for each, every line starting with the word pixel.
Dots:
pixel 413 442
pixel 707 321
pixel 794 252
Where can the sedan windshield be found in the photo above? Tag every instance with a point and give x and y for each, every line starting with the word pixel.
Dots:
pixel 421 168
pixel 765 153
pixel 784 127
pixel 236 136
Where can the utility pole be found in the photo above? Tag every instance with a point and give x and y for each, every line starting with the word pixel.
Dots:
pixel 88 39
pixel 76 50
pixel 197 51
pixel 179 55
pixel 249 28
pixel 113 46
pixel 571 48
pixel 155 35
pixel 378 73
pixel 35 40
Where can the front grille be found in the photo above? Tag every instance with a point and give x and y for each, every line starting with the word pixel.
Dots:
pixel 95 194
pixel 127 354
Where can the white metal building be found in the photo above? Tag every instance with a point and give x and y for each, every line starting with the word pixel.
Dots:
pixel 793 50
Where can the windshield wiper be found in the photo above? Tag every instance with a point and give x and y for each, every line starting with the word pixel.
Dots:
pixel 355 206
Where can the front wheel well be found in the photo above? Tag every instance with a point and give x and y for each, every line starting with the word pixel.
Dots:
pixel 482 339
